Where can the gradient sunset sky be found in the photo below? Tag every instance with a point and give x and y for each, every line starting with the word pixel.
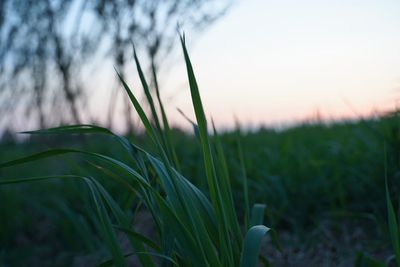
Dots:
pixel 276 62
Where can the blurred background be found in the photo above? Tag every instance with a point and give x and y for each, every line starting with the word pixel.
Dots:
pixel 264 62
pixel 57 57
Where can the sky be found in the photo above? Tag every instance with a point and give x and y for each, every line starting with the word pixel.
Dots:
pixel 277 62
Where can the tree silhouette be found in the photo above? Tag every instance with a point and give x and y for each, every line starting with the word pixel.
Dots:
pixel 45 45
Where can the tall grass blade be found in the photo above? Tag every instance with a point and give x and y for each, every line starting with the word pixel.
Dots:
pixel 149 98
pixel 244 179
pixel 226 191
pixel 164 117
pixel 213 185
pixel 140 111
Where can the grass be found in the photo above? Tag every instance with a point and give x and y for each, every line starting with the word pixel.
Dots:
pixel 172 198
pixel 193 228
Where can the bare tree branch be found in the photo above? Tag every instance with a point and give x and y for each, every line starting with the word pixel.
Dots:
pixel 45 45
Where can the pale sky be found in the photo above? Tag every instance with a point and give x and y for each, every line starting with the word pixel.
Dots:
pixel 275 62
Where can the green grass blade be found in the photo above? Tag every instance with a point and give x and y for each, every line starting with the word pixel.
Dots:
pixel 147 93
pixel 53 152
pixel 244 179
pixel 194 212
pixel 139 110
pixel 139 237
pixel 167 128
pixel 106 226
pixel 199 200
pixel 227 195
pixel 72 129
pixel 257 214
pixel 251 246
pixel 165 135
pixel 37 156
pixel 38 179
pixel 92 129
pixel 215 194
pixel 124 221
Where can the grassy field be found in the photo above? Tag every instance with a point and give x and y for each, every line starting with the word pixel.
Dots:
pixel 169 197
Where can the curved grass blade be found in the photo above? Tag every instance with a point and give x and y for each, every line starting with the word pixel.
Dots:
pixel 38 179
pixel 72 129
pixel 123 220
pixel 89 129
pixel 36 156
pixel 251 245
pixel 197 214
pixel 106 226
pixel 140 237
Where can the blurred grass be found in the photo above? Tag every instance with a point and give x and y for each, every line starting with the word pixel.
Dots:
pixel 307 175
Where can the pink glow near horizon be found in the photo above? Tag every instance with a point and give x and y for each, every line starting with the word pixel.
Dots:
pixel 277 62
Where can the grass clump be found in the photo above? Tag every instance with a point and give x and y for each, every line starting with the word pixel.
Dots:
pixel 193 228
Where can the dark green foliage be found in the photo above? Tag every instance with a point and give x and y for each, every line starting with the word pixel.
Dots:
pixel 192 228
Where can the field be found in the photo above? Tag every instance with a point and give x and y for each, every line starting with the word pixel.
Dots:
pixel 168 197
